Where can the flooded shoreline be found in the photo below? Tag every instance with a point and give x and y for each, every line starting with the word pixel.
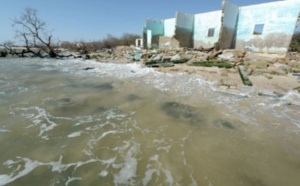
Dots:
pixel 123 124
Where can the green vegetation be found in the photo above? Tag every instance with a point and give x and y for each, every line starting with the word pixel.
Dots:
pixel 159 64
pixel 152 62
pixel 220 64
pixel 180 61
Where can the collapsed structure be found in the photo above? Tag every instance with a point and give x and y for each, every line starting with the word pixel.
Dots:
pixel 267 27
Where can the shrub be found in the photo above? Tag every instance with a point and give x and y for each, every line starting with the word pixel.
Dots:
pixel 109 42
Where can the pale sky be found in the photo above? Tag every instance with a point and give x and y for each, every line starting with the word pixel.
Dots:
pixel 75 20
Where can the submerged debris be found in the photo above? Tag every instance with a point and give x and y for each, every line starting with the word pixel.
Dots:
pixel 182 111
pixel 133 97
pixel 88 68
pixel 104 86
pixel 225 124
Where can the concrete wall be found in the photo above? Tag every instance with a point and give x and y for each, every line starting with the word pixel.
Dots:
pixel 152 30
pixel 279 19
pixel 169 29
pixel 184 29
pixel 229 25
pixel 202 23
pixel 233 28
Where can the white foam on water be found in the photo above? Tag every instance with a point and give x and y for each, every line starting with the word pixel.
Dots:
pixel 84 120
pixel 75 134
pixel 128 168
pixel 24 166
pixel 165 148
pixel 169 179
pixel 100 126
pixel 105 134
pixel 41 119
pixel 4 130
pixel 148 175
pixel 113 114
pixel 103 173
pixel 57 166
pixel 292 97
pixel 28 167
pixel 158 170
pixel 286 106
pixel 77 66
pixel 70 179
pixel 109 161
pixel 122 70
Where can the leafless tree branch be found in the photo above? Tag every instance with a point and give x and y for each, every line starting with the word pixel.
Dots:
pixel 32 30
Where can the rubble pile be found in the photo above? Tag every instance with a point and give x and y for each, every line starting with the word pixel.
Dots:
pixel 240 62
pixel 230 61
pixel 253 63
pixel 258 62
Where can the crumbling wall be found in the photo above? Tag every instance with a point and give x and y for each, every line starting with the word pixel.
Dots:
pixel 166 42
pixel 278 20
pixel 184 29
pixel 152 30
pixel 229 25
pixel 202 24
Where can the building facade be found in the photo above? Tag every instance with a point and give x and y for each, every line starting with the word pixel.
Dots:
pixel 266 27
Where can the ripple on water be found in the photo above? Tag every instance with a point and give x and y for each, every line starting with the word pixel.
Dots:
pixel 177 142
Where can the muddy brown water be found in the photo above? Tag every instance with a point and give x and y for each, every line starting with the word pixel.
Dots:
pixel 122 124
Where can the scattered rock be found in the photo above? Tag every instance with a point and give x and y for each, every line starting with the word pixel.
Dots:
pixel 244 76
pixel 104 86
pixel 226 56
pixel 88 68
pixel 271 94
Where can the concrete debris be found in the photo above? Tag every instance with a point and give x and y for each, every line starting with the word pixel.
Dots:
pixel 231 61
pixel 226 56
pixel 244 72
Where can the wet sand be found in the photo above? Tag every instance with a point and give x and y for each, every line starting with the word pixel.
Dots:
pixel 276 83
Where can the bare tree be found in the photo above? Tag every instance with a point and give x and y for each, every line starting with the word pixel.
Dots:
pixel 33 32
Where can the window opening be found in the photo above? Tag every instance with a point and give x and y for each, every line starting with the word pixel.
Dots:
pixel 211 32
pixel 258 29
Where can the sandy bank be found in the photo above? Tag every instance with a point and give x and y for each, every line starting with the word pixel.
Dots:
pixel 230 78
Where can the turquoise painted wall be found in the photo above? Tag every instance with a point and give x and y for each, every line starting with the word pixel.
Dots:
pixel 185 21
pixel 202 23
pixel 169 27
pixel 230 16
pixel 152 30
pixel 156 26
pixel 279 19
pixel 184 29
